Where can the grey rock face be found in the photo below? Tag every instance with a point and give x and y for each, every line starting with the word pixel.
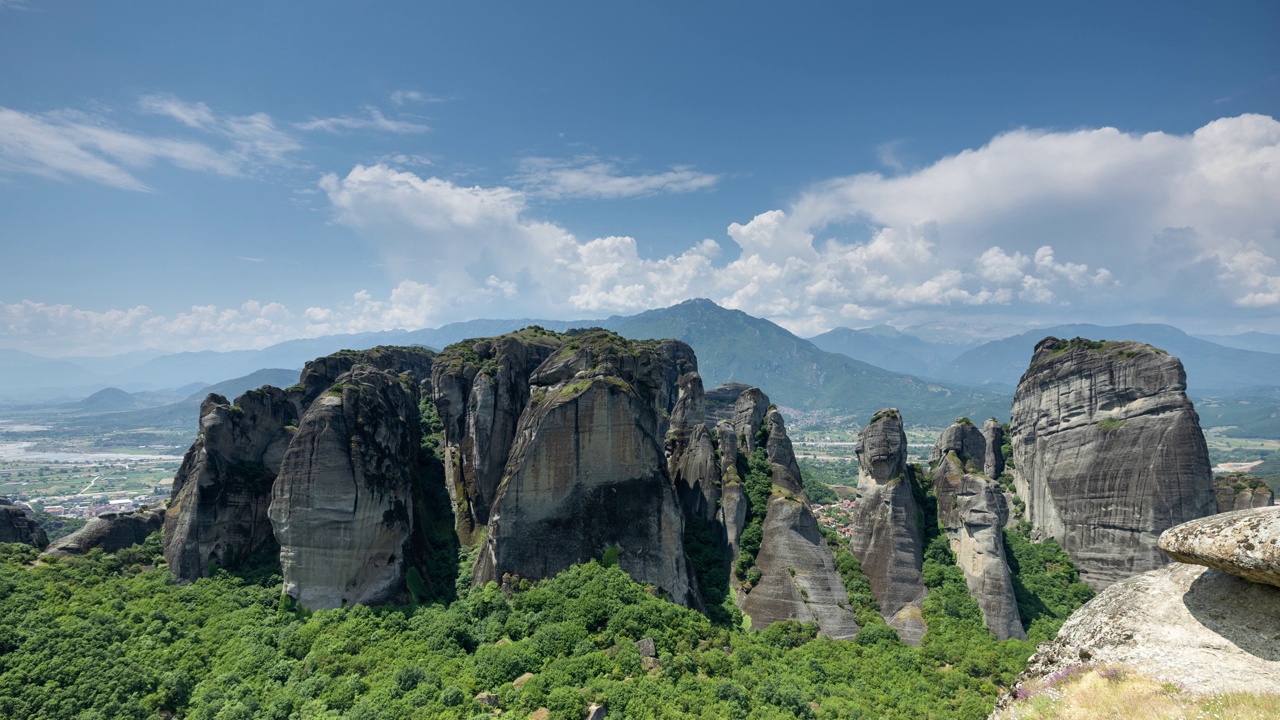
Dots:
pixel 972 511
pixel 967 442
pixel 1108 453
pixel 480 388
pixel 1244 543
pixel 993 437
pixel 109 531
pixel 18 525
pixel 886 537
pixel 218 507
pixel 320 374
pixel 782 456
pixel 1205 630
pixel 588 472
pixel 1241 492
pixel 798 576
pixel 692 453
pixel 748 415
pixel 341 504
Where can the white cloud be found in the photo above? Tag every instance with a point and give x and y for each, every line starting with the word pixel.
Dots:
pixel 593 178
pixel 373 119
pixel 403 97
pixel 70 144
pixel 1033 226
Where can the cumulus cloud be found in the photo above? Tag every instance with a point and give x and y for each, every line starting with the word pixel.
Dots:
pixel 1034 226
pixel 593 178
pixel 70 144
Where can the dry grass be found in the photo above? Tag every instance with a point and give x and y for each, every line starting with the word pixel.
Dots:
pixel 1087 693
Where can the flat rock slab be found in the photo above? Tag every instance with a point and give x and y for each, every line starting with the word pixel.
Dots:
pixel 1208 631
pixel 1245 543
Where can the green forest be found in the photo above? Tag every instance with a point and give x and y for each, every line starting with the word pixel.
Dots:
pixel 112 636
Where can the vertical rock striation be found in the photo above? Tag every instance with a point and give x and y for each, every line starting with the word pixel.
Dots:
pixel 1108 453
pixel 341 504
pixel 588 473
pixel 972 512
pixel 886 536
pixel 480 388
pixel 1241 492
pixel 218 507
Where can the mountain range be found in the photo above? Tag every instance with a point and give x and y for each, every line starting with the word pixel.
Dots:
pixel 933 373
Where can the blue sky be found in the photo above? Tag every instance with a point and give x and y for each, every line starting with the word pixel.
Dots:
pixel 225 175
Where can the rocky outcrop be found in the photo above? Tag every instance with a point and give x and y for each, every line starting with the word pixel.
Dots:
pixel 1199 628
pixel 320 374
pixel 692 452
pixel 1244 543
pixel 110 532
pixel 972 512
pixel 588 473
pixel 18 525
pixel 782 457
pixel 748 415
pixel 341 505
pixel 480 388
pixel 993 439
pixel 1241 492
pixel 218 508
pixel 1108 453
pixel 798 576
pixel 886 536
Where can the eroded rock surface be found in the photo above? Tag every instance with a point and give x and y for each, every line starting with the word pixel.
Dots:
pixel 886 535
pixel 1241 492
pixel 799 580
pixel 18 525
pixel 1205 630
pixel 218 509
pixel 480 388
pixel 588 472
pixel 1244 543
pixel 1108 453
pixel 972 512
pixel 109 531
pixel 341 504
pixel 693 455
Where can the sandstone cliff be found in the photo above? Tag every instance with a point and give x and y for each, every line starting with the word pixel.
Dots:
pixel 588 473
pixel 109 531
pixel 972 512
pixel 480 388
pixel 693 454
pixel 886 535
pixel 218 509
pixel 18 525
pixel 341 504
pixel 1108 453
pixel 1241 492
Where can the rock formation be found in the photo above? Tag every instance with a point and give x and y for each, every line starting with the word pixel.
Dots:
pixel 109 531
pixel 341 504
pixel 886 537
pixel 587 472
pixel 1108 453
pixel 360 417
pixel 218 508
pixel 993 439
pixel 1244 543
pixel 18 525
pixel 798 577
pixel 692 452
pixel 972 512
pixel 1241 492
pixel 480 388
pixel 1208 629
